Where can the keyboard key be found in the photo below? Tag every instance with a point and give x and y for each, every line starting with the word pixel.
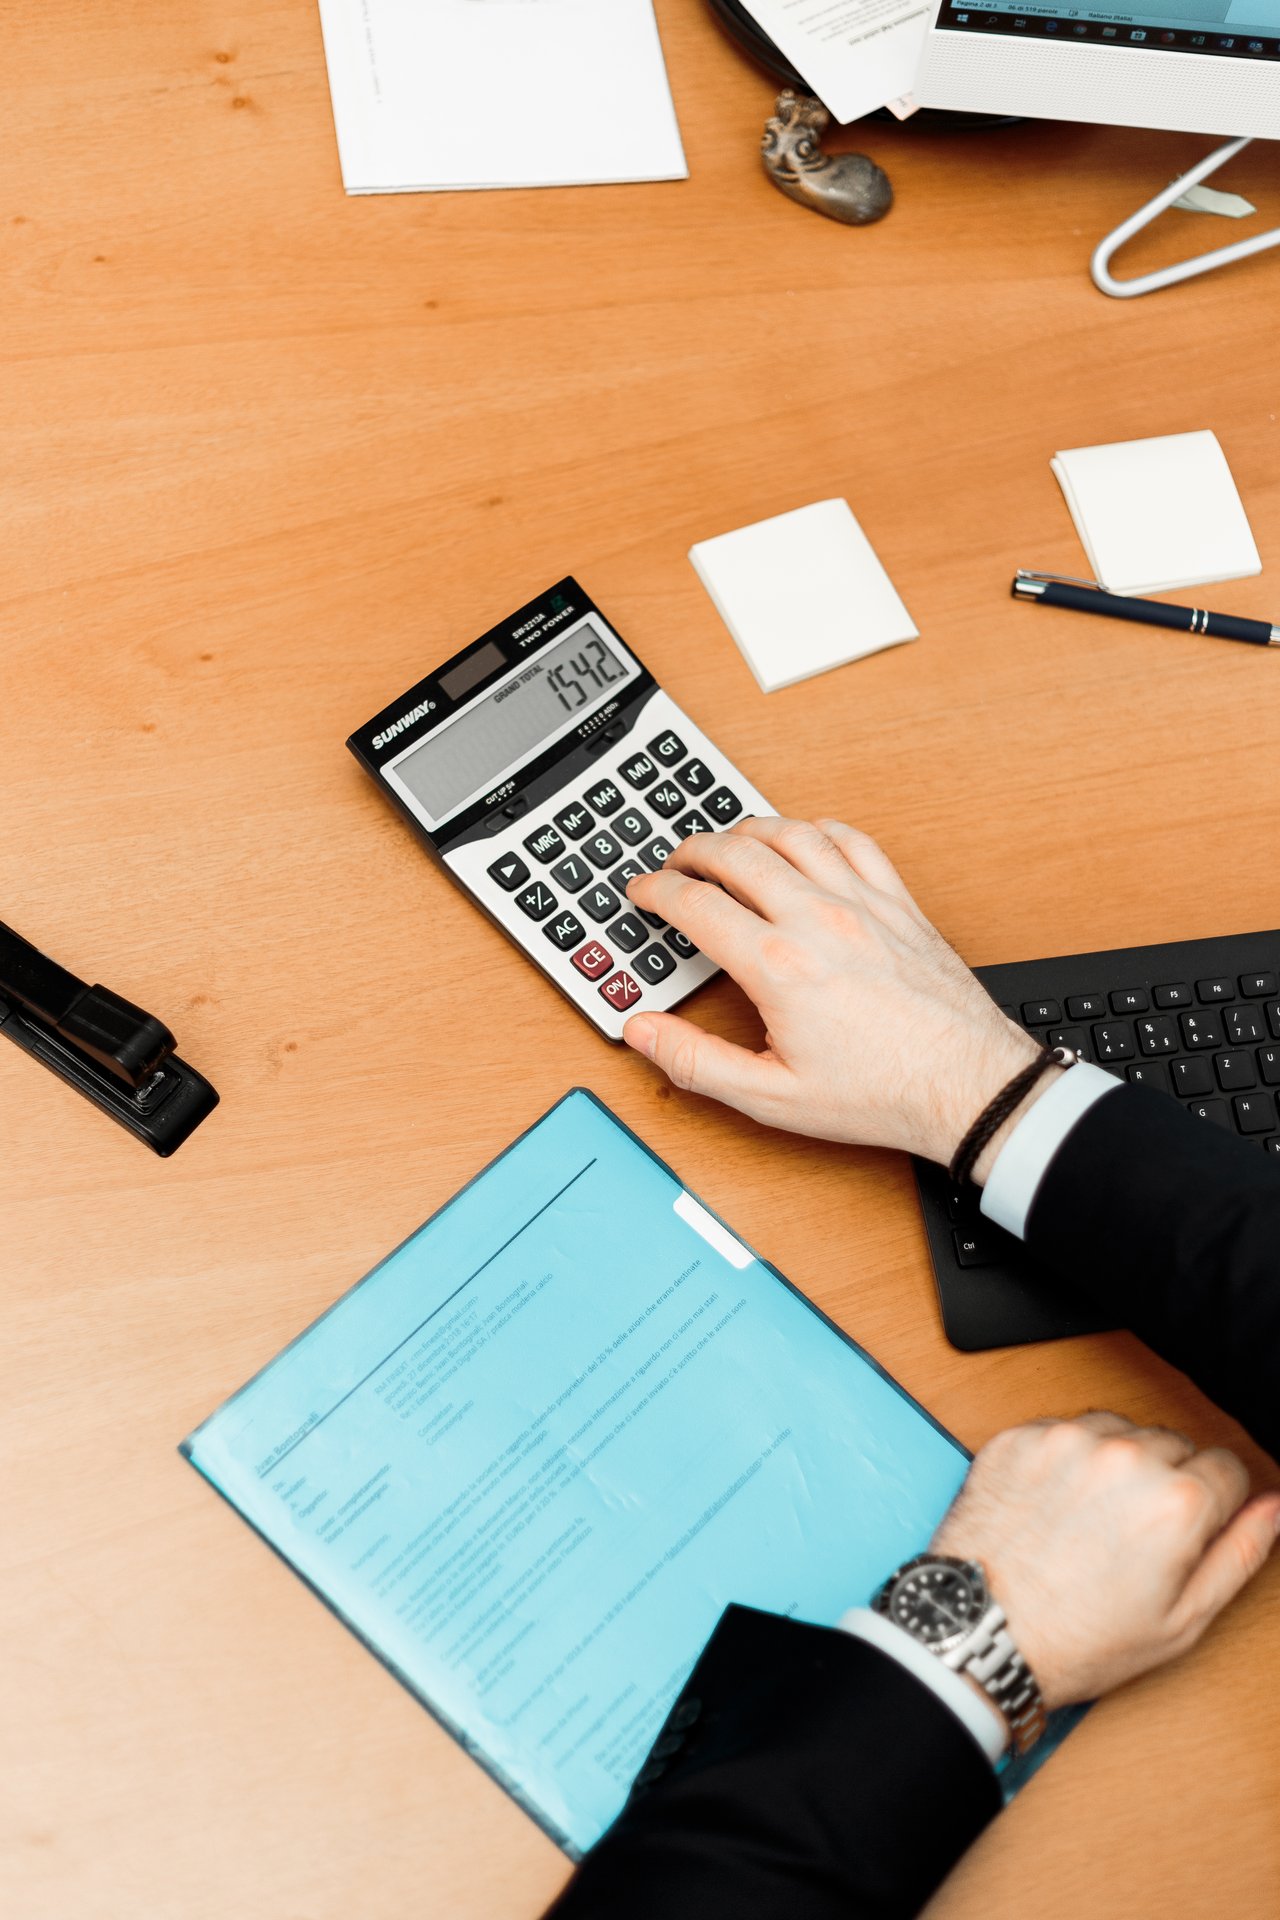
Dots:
pixel 1175 996
pixel 631 826
pixel 973 1246
pixel 1040 1013
pixel 564 931
pixel 1192 1077
pixel 1256 986
pixel 1215 1110
pixel 1201 1030
pixel 656 853
pixel 627 933
pixel 668 748
pixel 621 991
pixel 1273 1018
pixel 510 872
pixel 1153 1073
pixel 639 770
pixel 723 806
pixel 602 849
pixel 667 800
pixel 1208 992
pixel 537 901
pixel 1272 1145
pixel 696 777
pixel 593 960
pixel 1244 1026
pixel 1074 1038
pixel 622 876
pixel 1234 1071
pixel 1269 1066
pixel 545 844
pixel 1129 1000
pixel 692 823
pixel 1114 1041
pixel 572 874
pixel 961 1204
pixel 575 821
pixel 607 797
pixel 654 964
pixel 1157 1034
pixel 1255 1112
pixel 599 902
pixel 1086 1006
pixel 679 943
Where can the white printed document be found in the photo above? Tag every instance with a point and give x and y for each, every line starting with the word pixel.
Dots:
pixel 856 55
pixel 434 94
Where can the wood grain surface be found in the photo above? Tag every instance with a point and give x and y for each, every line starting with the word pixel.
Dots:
pixel 267 454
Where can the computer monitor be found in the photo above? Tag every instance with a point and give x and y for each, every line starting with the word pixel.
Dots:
pixel 1195 66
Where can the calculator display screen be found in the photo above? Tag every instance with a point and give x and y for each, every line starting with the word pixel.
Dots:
pixel 538 702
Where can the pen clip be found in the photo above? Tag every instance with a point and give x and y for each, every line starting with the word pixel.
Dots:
pixel 1054 579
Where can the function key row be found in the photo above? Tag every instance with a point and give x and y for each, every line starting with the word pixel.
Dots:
pixel 1134 1000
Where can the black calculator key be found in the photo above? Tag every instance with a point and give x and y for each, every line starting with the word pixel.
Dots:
pixel 600 902
pixel 696 777
pixel 1177 995
pixel 1041 1013
pixel 1157 1034
pixel 654 964
pixel 679 943
pixel 973 1246
pixel 655 854
pixel 631 826
pixel 572 874
pixel 654 920
pixel 545 844
pixel 565 932
pixel 627 933
pixel 602 849
pixel 1269 1066
pixel 1129 1000
pixel 667 800
pixel 1255 1112
pixel 668 748
pixel 1244 1026
pixel 1208 992
pixel 1235 1071
pixel 1086 1006
pixel 575 820
pixel 1114 1041
pixel 537 901
pixel 1153 1073
pixel 1215 1110
pixel 1075 1039
pixel 607 797
pixel 1192 1077
pixel 510 872
pixel 622 876
pixel 1256 986
pixel 693 822
pixel 1201 1030
pixel 723 806
pixel 639 770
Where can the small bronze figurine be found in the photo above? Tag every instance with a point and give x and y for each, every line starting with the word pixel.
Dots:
pixel 844 186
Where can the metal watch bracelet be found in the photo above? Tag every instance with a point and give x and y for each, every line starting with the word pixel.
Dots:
pixel 988 1653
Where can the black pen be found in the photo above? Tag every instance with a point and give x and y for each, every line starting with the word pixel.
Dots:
pixel 1058 590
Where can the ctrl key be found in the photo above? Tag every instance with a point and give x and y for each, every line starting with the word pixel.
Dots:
pixel 973 1247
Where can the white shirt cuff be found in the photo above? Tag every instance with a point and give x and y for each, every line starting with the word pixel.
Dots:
pixel 1023 1160
pixel 985 1723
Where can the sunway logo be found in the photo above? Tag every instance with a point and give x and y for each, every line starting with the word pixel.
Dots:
pixel 405 720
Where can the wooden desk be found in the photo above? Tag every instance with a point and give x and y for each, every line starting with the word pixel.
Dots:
pixel 267 453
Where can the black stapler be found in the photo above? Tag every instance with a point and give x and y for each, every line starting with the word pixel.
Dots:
pixel 117 1056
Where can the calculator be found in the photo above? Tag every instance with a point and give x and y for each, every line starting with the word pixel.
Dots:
pixel 544 767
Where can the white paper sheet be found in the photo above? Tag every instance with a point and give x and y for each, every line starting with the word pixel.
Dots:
pixel 498 93
pixel 855 54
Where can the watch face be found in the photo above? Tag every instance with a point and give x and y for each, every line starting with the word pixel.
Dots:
pixel 935 1603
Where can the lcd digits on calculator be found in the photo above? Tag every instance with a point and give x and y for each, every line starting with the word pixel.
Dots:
pixel 570 674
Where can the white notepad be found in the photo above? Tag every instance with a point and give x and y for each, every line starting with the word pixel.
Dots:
pixel 1157 514
pixel 802 592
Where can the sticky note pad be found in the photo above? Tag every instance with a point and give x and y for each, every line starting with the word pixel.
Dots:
pixel 802 592
pixel 1157 514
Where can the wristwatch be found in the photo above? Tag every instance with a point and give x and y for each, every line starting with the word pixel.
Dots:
pixel 945 1605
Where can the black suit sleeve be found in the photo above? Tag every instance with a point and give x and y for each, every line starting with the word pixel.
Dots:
pixel 802 1775
pixel 1175 1225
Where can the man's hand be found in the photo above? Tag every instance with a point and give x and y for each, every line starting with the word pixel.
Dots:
pixel 876 1032
pixel 1110 1547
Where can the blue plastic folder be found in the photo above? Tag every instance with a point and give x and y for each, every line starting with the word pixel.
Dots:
pixel 531 1457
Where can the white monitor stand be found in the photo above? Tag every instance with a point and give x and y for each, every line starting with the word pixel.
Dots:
pixel 1100 265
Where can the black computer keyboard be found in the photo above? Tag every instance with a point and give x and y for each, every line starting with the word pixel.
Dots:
pixel 1198 1019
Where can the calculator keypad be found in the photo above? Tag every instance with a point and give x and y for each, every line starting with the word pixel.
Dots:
pixel 545 844
pixel 565 931
pixel 593 960
pixel 537 901
pixel 575 820
pixel 693 822
pixel 695 776
pixel 628 933
pixel 572 874
pixel 654 964
pixel 605 798
pixel 639 770
pixel 668 748
pixel 667 800
pixel 655 854
pixel 621 991
pixel 602 849
pixel 510 872
pixel 599 901
pixel 631 826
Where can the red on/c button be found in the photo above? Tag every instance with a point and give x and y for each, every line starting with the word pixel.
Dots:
pixel 621 991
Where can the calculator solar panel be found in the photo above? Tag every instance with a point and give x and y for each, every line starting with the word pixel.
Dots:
pixel 544 768
pixel 1198 1019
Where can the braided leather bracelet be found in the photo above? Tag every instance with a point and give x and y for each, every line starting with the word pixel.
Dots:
pixel 997 1111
